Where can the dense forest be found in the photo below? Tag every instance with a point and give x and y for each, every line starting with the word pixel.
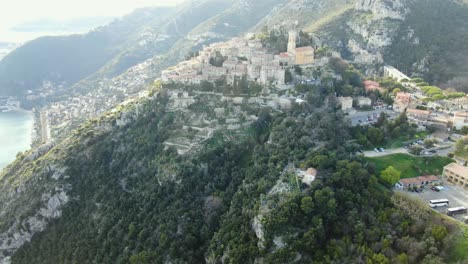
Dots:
pixel 235 200
pixel 433 37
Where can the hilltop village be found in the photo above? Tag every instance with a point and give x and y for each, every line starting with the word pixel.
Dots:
pixel 237 58
pixel 271 80
pixel 441 117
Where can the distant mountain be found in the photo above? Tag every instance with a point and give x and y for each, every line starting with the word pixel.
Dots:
pixel 69 58
pixel 72 25
pixel 369 32
pixel 5 48
pixel 166 32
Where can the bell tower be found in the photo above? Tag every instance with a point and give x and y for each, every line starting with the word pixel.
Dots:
pixel 292 41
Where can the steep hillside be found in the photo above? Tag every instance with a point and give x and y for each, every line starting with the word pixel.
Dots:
pixel 191 175
pixel 304 14
pixel 432 43
pixel 421 38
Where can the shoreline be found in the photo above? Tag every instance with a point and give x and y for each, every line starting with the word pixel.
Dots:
pixel 27 135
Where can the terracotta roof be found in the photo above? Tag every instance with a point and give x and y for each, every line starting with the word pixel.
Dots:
pixel 418 180
pixel 457 169
pixel 372 86
pixel 284 54
pixel 304 49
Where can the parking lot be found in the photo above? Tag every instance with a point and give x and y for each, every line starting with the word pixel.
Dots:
pixel 362 117
pixel 457 197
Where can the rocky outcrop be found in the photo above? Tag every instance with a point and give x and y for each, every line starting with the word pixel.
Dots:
pixel 382 9
pixel 371 27
pixel 362 55
pixel 32 213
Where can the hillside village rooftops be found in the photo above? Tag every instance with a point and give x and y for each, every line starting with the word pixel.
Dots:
pixel 403 97
pixel 457 169
pixel 419 180
pixel 372 86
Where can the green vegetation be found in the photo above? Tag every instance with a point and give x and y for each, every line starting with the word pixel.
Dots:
pixel 141 203
pixel 459 252
pixel 388 133
pixel 461 149
pixel 442 33
pixel 390 175
pixel 329 17
pixel 434 93
pixel 402 140
pixel 411 166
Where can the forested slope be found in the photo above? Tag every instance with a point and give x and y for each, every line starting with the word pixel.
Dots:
pixel 130 199
pixel 432 42
pixel 425 38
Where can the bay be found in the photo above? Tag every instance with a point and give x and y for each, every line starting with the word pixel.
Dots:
pixel 15 135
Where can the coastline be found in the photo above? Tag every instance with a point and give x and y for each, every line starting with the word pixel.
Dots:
pixel 17 134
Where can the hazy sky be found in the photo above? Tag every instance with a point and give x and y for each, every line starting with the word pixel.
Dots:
pixel 14 12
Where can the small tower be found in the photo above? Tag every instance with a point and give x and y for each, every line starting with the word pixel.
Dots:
pixel 292 41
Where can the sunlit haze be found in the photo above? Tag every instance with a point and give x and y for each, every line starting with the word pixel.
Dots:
pixel 14 13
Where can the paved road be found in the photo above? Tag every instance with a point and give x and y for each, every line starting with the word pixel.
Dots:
pixel 457 197
pixel 372 154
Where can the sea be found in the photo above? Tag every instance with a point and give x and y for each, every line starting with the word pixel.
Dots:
pixel 16 130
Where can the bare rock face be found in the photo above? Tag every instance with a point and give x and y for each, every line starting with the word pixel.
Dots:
pixel 362 55
pixel 372 28
pixel 382 9
pixel 29 218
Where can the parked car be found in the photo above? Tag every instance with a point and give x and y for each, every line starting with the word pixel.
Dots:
pixel 381 149
pixel 435 189
pixel 376 150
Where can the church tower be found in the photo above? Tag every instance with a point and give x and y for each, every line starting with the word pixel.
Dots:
pixel 292 41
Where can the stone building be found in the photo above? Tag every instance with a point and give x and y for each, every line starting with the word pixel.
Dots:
pixel 303 55
pixel 402 101
pixel 346 103
pixel 420 181
pixel 460 119
pixel 363 101
pixel 418 115
pixel 456 174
